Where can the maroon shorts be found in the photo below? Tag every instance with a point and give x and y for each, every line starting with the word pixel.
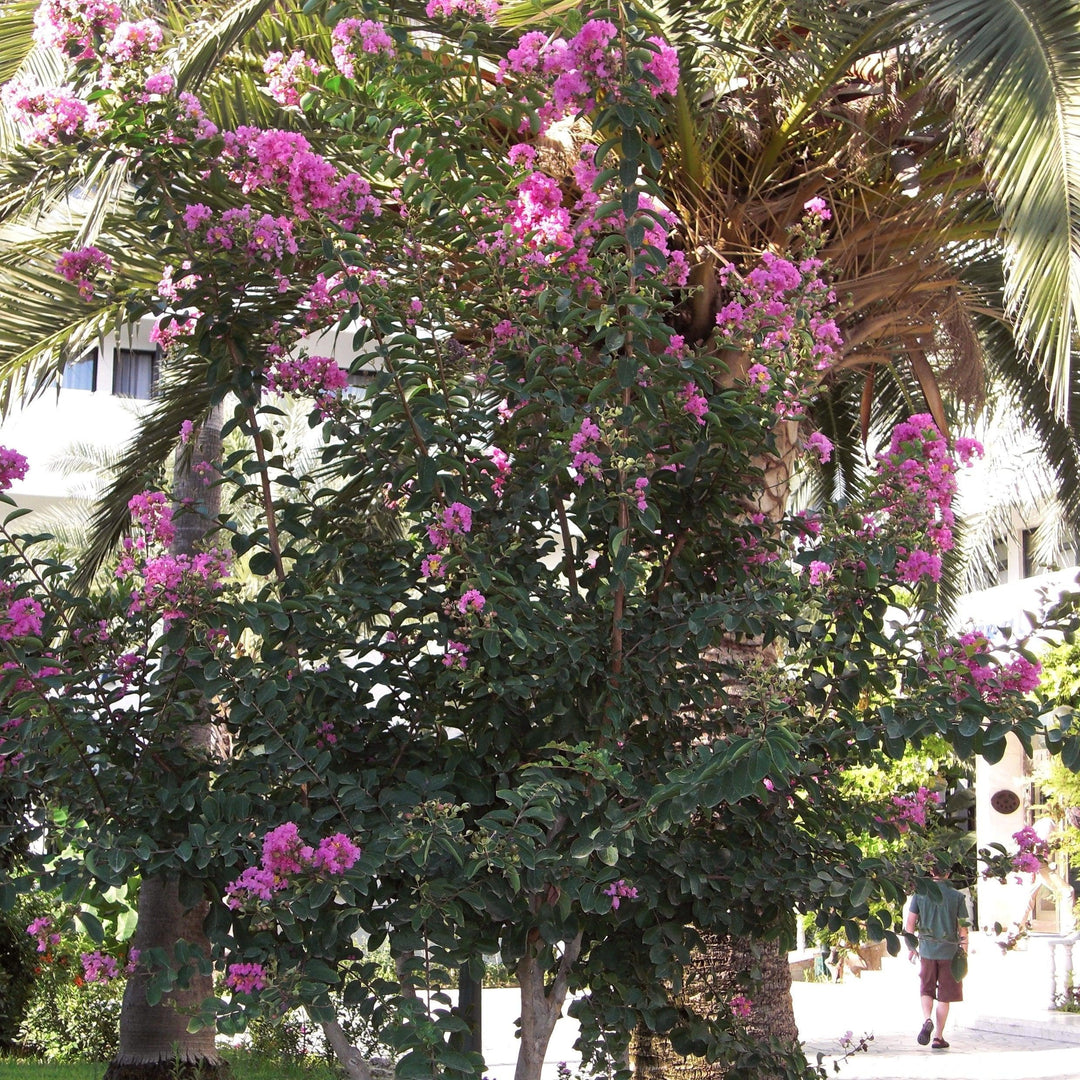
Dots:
pixel 936 981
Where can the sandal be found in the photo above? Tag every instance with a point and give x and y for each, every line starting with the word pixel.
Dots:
pixel 939 1044
pixel 924 1033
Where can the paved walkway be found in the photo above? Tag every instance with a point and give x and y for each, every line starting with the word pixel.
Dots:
pixel 1002 1031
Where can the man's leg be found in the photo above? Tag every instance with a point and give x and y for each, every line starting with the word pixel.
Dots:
pixel 927 986
pixel 941 1014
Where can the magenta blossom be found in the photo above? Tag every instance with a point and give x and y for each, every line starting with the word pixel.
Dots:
pixel 818 208
pixel 245 978
pixel 820 445
pixel 82 266
pixel 471 601
pixel 741 1006
pixel 619 891
pixel 13 467
pixel 99 967
pixel 42 930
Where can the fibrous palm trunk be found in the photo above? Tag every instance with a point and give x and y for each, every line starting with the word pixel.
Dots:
pixel 718 970
pixel 715 974
pixel 155 1043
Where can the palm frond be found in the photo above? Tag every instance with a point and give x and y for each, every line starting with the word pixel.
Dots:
pixel 183 394
pixel 219 34
pixel 1015 67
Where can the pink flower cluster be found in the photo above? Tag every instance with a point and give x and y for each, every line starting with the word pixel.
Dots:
pixel 170 329
pixel 500 469
pixel 23 618
pixel 135 42
pixel 911 809
pixel 619 891
pixel 916 482
pixel 268 157
pixel 82 266
pixel 13 467
pixel 326 301
pixel 575 73
pixel 470 9
pixel 191 121
pixel 42 930
pixel 245 978
pixel 284 856
pixel 471 602
pixel 74 26
pixel 586 462
pixel 1032 852
pixel 263 239
pixel 456 655
pixel 99 967
pixel 753 547
pixel 741 1006
pixel 175 586
pixel 315 376
pixel 152 513
pixel 456 520
pixel 47 115
pixel 972 667
pixel 694 402
pixel 355 41
pixel 821 445
pixel 766 307
pixel 536 227
pixel 288 78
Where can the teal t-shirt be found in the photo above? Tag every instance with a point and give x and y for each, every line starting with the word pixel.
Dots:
pixel 938 922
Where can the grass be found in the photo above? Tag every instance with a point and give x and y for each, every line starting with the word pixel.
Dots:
pixel 244 1067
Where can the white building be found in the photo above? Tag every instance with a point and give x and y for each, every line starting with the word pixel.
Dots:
pixel 95 412
pixel 1008 796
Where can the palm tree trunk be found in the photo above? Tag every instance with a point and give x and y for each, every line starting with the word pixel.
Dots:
pixel 155 1043
pixel 717 971
pixel 715 976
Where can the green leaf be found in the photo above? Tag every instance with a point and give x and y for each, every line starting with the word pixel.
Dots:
pixel 319 971
pixel 92 925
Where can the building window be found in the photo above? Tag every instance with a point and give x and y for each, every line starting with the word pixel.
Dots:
pixel 1001 560
pixel 1027 551
pixel 135 374
pixel 81 374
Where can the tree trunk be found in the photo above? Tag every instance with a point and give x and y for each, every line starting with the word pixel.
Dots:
pixel 715 972
pixel 155 1043
pixel 541 1005
pixel 714 976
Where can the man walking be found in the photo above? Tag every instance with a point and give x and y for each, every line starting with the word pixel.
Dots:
pixel 940 918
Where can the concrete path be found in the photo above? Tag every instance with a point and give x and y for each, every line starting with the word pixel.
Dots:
pixel 1002 1031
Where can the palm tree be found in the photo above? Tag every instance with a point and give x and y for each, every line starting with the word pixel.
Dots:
pixel 954 210
pixel 942 138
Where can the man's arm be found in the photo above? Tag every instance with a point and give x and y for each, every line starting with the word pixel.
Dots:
pixel 910 921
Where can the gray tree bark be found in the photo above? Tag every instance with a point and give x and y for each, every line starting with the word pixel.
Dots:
pixel 155 1043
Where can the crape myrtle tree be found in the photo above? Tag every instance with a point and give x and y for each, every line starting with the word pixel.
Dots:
pixel 587 699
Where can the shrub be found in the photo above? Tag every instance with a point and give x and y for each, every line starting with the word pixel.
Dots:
pixel 69 1020
pixel 19 964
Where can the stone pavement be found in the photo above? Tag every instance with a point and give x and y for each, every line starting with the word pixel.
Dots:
pixel 1002 1031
